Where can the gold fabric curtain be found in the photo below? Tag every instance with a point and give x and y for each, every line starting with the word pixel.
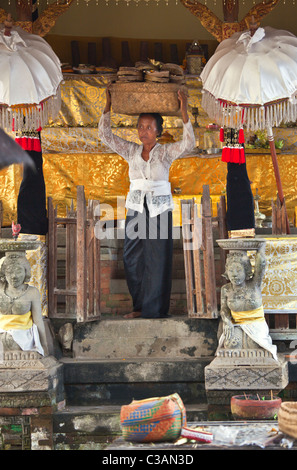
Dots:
pixel 105 177
pixel 73 155
pixel 279 287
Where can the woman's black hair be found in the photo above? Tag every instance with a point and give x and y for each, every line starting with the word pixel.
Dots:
pixel 158 118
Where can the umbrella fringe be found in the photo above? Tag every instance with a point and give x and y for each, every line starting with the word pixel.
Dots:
pixel 252 117
pixel 14 119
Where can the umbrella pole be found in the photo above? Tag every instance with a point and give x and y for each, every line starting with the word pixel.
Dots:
pixel 277 173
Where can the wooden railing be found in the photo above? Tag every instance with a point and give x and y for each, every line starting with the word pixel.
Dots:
pixel 279 218
pixel 82 261
pixel 204 262
pixel 198 244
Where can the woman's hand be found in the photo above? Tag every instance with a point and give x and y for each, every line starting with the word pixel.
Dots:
pixel 108 99
pixel 183 105
pixel 182 98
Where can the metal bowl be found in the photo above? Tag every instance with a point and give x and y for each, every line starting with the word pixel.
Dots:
pixel 213 151
pixel 84 70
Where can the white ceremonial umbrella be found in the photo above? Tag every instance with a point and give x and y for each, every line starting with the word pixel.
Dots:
pixel 251 81
pixel 30 77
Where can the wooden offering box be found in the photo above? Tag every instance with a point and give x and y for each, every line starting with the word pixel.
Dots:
pixel 143 97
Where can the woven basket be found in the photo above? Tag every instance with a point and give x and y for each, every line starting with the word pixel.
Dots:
pixel 287 419
pixel 153 419
pixel 143 97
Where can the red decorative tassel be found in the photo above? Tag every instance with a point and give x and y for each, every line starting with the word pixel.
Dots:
pixel 241 156
pixel 222 138
pixel 28 143
pixel 237 155
pixel 233 155
pixel 226 154
pixel 241 138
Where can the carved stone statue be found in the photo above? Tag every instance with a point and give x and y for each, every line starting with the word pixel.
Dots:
pixel 21 321
pixel 242 313
pixel 245 358
pixel 29 373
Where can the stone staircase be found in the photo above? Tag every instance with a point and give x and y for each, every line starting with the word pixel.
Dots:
pixel 115 361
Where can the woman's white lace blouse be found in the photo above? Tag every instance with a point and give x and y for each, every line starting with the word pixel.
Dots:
pixel 155 169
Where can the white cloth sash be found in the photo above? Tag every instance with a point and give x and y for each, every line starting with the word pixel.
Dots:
pixel 28 340
pixel 258 331
pixel 157 188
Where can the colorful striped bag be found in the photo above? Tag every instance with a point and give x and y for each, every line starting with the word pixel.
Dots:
pixel 153 419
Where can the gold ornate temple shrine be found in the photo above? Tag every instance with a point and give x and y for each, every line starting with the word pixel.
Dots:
pixel 73 155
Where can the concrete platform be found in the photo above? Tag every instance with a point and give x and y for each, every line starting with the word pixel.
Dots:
pixel 176 337
pixel 114 382
pixel 236 435
pixel 75 425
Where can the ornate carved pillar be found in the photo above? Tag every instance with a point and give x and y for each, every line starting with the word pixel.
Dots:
pixel 38 24
pixel 224 29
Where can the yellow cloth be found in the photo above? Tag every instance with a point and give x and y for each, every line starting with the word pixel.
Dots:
pixel 16 322
pixel 249 315
pixel 105 178
pixel 279 286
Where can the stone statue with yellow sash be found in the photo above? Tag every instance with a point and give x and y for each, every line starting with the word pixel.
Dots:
pixel 244 324
pixel 21 321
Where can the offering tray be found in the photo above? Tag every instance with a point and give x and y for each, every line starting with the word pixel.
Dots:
pixel 7 245
pixel 246 244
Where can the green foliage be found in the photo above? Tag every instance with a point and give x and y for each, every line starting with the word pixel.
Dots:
pixel 260 141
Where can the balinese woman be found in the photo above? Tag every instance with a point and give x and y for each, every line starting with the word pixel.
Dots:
pixel 148 242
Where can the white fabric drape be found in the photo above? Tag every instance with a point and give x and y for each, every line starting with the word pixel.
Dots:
pixel 28 340
pixel 258 331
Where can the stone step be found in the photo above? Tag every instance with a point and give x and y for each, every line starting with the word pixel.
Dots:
pixel 167 338
pixel 94 427
pixel 115 360
pixel 118 382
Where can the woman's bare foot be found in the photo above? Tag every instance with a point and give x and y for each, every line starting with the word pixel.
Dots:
pixel 133 315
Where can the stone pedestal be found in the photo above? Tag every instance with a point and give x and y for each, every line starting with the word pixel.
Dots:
pixel 31 390
pixel 234 372
pixel 27 371
pixel 145 339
